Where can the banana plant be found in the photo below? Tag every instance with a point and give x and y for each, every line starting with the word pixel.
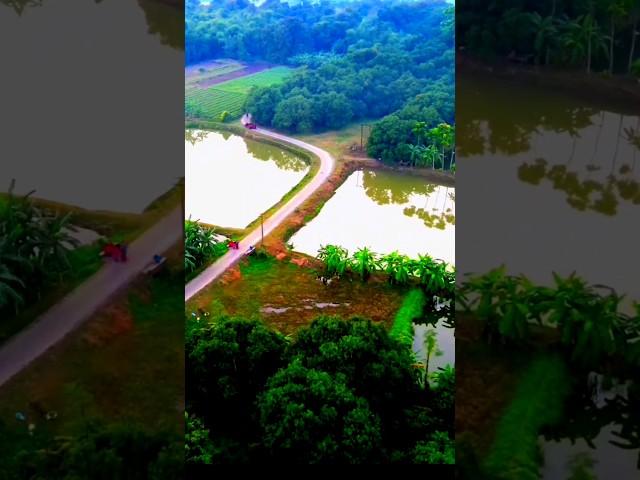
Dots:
pixel 364 262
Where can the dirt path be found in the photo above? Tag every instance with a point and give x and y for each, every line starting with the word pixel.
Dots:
pixel 82 302
pixel 327 164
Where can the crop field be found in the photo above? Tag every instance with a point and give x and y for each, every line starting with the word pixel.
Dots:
pixel 209 103
pixel 201 74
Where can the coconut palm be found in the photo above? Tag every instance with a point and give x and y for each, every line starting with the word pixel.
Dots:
pixel 364 262
pixel 583 39
pixel 546 34
pixel 616 10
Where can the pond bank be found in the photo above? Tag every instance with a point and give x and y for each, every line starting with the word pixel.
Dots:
pixel 622 90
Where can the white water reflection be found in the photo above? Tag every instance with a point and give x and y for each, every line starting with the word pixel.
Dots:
pixel 230 180
pixel 385 211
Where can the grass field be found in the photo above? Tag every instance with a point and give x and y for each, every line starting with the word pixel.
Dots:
pixel 209 103
pixel 124 365
pixel 202 73
pixel 287 296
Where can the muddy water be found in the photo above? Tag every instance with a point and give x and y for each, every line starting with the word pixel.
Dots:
pixel 230 180
pixel 564 183
pixel 72 109
pixel 385 211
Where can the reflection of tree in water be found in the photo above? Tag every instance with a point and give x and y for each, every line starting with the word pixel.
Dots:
pixel 387 189
pixel 283 159
pixel 602 196
pixel 486 123
pixel 584 419
pixel 195 136
pixel 20 5
pixel 164 17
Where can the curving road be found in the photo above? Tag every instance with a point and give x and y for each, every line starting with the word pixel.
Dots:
pixel 82 302
pixel 327 163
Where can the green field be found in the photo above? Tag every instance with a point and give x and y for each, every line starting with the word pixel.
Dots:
pixel 209 103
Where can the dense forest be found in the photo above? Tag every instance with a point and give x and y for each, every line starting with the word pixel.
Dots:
pixel 594 35
pixel 339 392
pixel 356 60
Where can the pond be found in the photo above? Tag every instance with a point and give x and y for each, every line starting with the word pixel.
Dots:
pixel 565 180
pixel 72 110
pixel 385 211
pixel 569 184
pixel 231 180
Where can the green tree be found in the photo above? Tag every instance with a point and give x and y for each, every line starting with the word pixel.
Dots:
pixel 309 416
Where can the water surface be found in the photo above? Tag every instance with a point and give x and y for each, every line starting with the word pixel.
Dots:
pixel 385 211
pixel 84 125
pixel 231 180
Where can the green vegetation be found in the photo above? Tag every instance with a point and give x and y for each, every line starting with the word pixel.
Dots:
pixel 114 384
pixel 100 451
pixel 38 254
pixel 590 324
pixel 435 275
pixel 200 246
pixel 340 392
pixel 357 60
pixel 412 309
pixel 212 102
pixel 538 402
pixel 591 35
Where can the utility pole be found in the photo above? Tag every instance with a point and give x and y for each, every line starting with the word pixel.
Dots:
pixel 361 137
pixel 262 229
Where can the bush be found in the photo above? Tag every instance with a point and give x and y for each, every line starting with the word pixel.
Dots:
pixel 410 310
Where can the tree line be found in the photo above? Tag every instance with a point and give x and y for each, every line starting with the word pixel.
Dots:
pixel 356 60
pixel 593 35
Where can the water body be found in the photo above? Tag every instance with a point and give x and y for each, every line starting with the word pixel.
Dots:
pixel 569 186
pixel 568 174
pixel 385 211
pixel 72 110
pixel 231 180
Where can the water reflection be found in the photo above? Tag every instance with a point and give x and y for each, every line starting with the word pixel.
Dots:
pixel 231 180
pixel 385 211
pixel 563 177
pixel 606 421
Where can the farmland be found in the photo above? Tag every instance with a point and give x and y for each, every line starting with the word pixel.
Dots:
pixel 208 103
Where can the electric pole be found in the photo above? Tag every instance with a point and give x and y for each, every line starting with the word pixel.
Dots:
pixel 262 229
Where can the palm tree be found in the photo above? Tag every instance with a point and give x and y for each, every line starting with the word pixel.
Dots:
pixel 583 38
pixel 364 263
pixel 545 34
pixel 635 14
pixel 616 10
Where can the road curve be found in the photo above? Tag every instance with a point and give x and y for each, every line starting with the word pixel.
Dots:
pixel 82 302
pixel 327 164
